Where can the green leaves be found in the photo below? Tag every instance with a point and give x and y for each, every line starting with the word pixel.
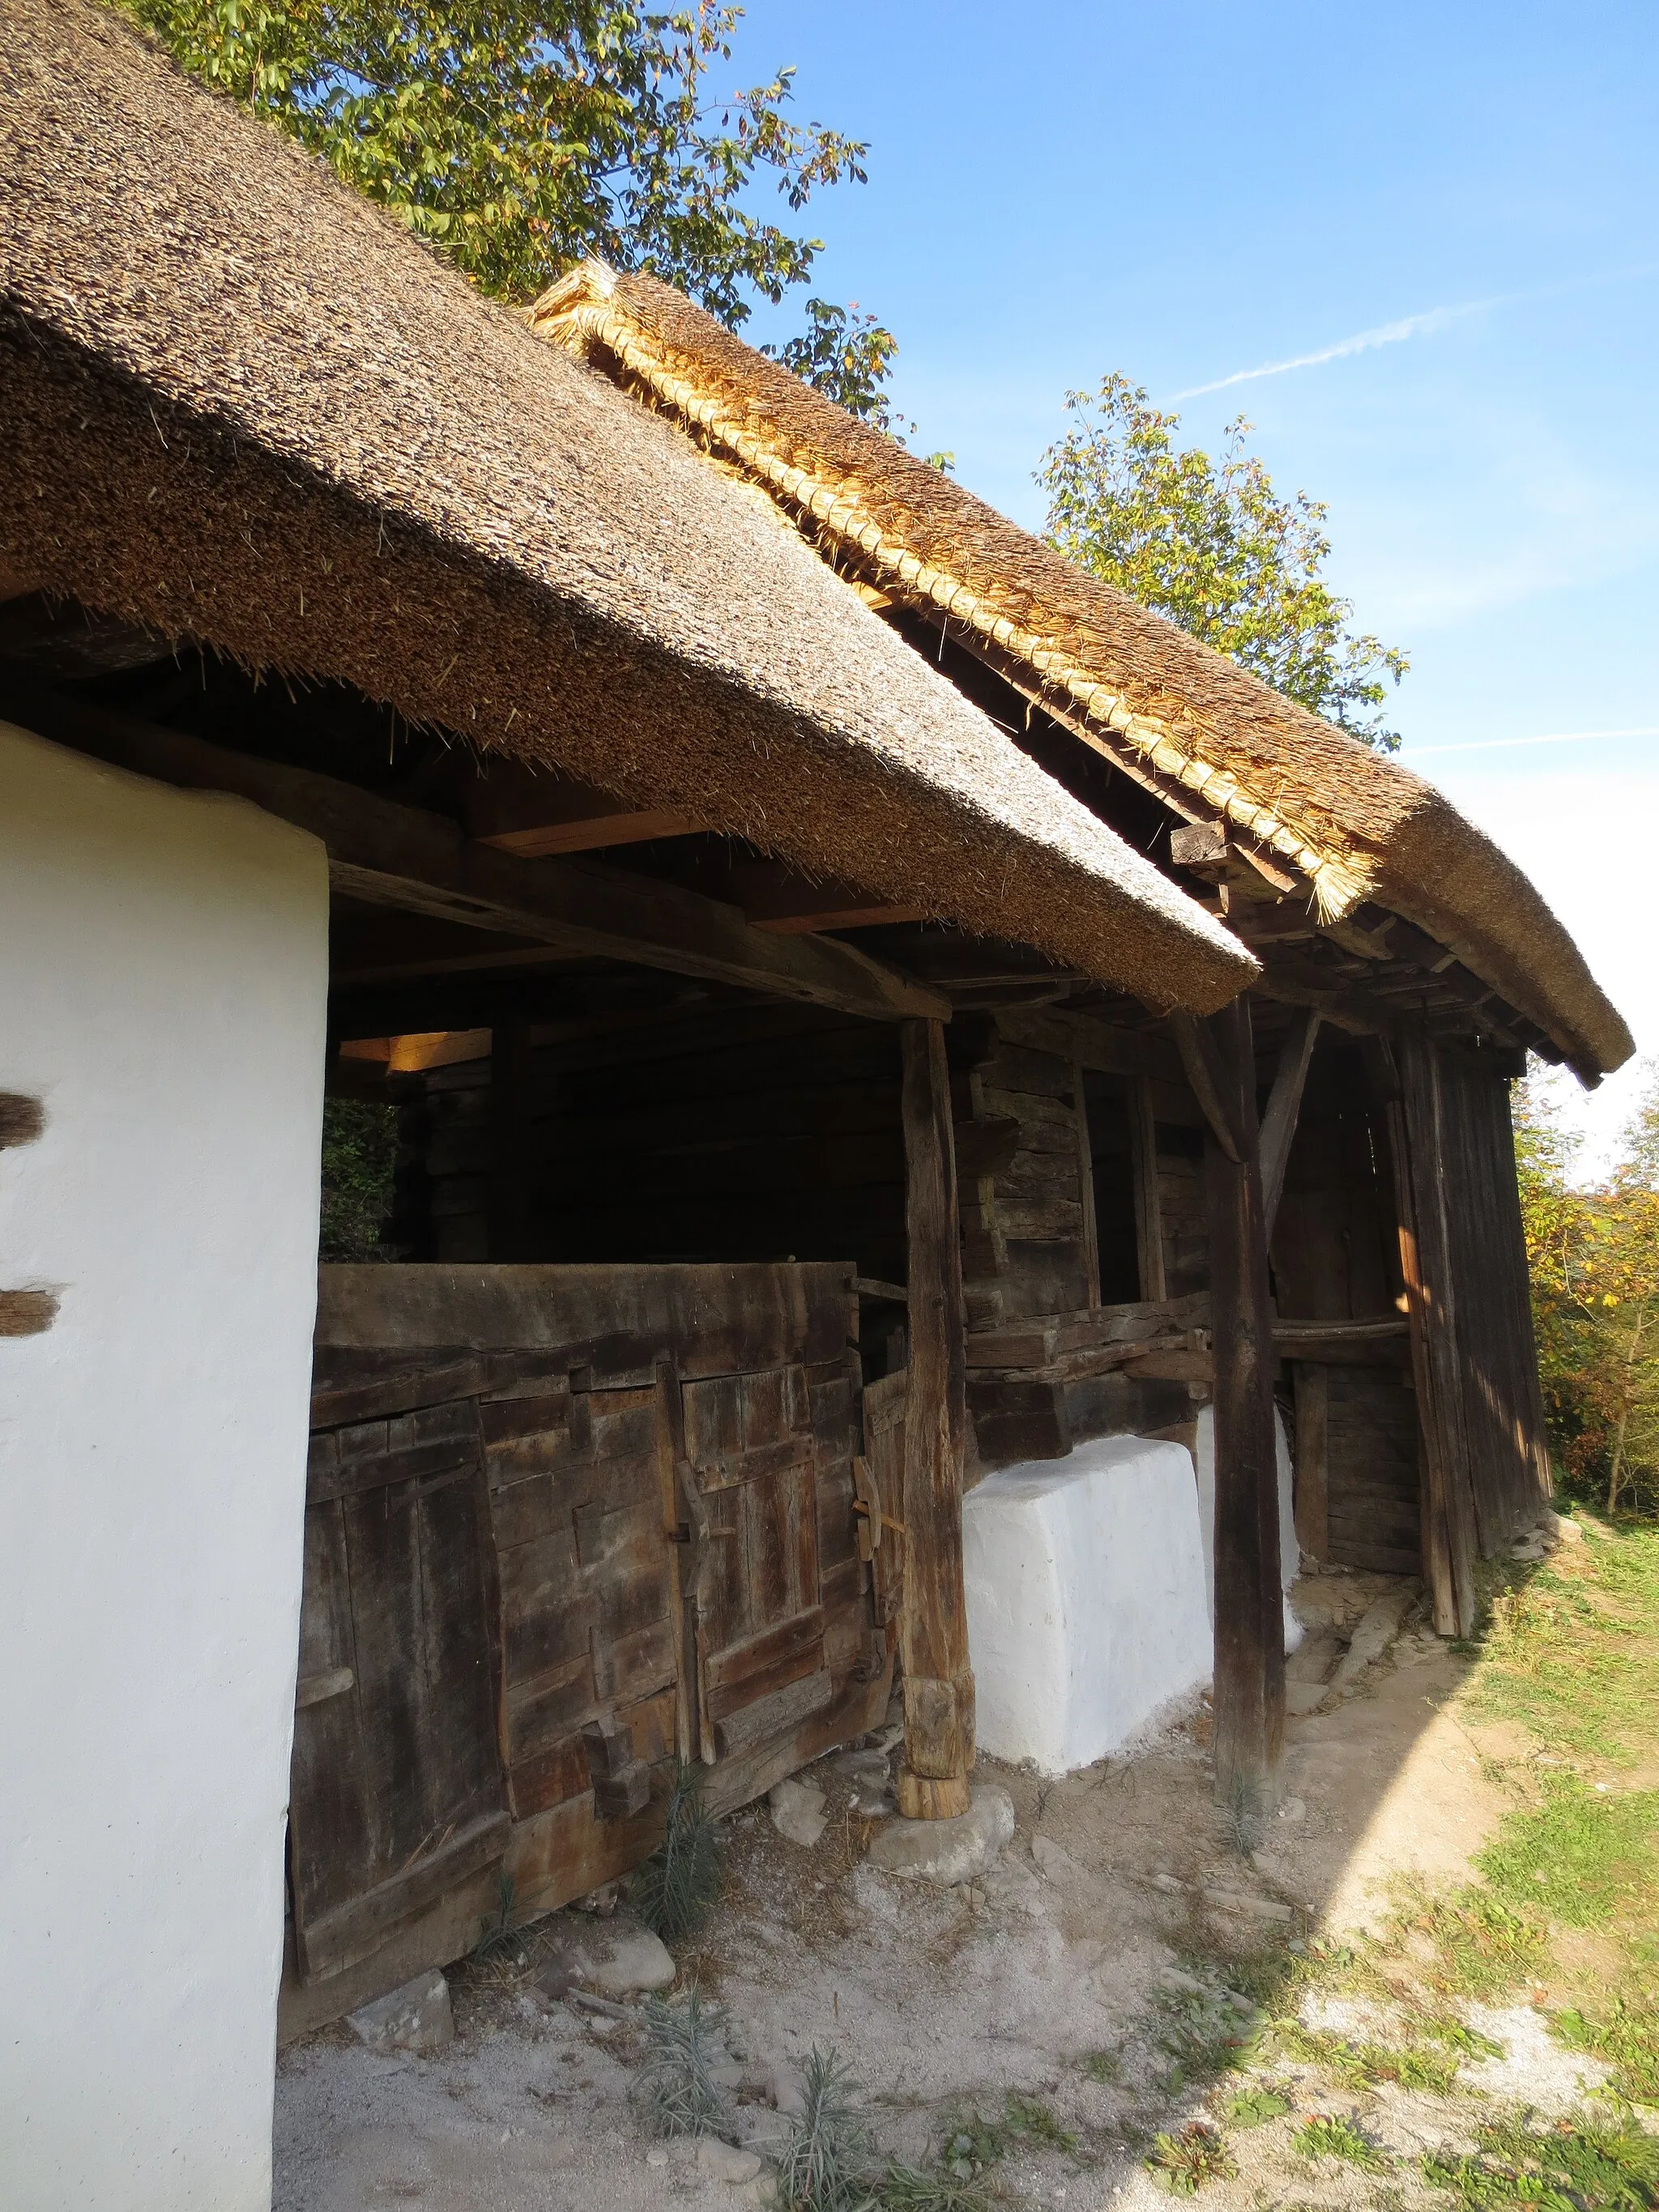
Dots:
pixel 1214 548
pixel 521 137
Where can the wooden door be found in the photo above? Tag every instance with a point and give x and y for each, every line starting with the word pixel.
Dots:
pixel 396 1793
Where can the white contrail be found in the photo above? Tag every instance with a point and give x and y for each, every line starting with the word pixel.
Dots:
pixel 1553 737
pixel 1410 327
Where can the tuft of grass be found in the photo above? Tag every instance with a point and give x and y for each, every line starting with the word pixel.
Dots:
pixel 1184 2162
pixel 1203 2034
pixel 1105 2067
pixel 675 2089
pixel 499 1930
pixel 1581 1854
pixel 829 2163
pixel 1626 2035
pixel 1478 1946
pixel 1335 2135
pixel 1368 2065
pixel 678 1885
pixel 934 2189
pixel 978 2142
pixel 1607 2166
pixel 1253 2108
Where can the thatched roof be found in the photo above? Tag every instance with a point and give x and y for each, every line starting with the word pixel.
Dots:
pixel 244 406
pixel 1355 824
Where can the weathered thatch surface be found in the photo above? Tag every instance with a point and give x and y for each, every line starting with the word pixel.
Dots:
pixel 1356 823
pixel 242 405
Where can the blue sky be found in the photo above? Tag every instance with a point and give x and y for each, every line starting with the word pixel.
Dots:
pixel 1184 194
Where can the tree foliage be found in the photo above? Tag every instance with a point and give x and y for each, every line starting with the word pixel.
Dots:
pixel 1594 1257
pixel 1211 545
pixel 520 138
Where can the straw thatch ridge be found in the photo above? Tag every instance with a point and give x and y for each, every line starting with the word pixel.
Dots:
pixel 246 407
pixel 1354 823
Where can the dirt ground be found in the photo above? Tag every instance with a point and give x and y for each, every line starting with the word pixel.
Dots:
pixel 1050 1979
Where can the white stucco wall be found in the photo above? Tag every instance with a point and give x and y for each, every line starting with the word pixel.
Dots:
pixel 163 970
pixel 1087 1616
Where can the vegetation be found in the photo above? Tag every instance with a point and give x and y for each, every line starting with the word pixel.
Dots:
pixel 519 137
pixel 1183 2162
pixel 676 2088
pixel 1613 2166
pixel 1336 2135
pixel 1211 545
pixel 678 1887
pixel 829 2164
pixel 360 1159
pixel 1594 1253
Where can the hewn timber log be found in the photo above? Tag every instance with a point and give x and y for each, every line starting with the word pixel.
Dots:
pixel 1284 1105
pixel 939 1686
pixel 1250 1633
pixel 389 854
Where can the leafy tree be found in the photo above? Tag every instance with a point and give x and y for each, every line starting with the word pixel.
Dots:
pixel 520 138
pixel 360 1161
pixel 846 355
pixel 1594 1257
pixel 1213 547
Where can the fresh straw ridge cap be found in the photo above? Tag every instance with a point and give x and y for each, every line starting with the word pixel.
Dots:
pixel 246 407
pixel 1353 823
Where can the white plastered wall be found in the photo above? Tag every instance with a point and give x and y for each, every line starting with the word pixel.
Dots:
pixel 163 978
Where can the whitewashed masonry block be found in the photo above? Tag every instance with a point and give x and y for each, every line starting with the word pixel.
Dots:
pixel 1087 1606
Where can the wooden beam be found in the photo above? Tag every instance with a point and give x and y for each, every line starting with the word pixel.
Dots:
pixel 1149 1202
pixel 777 897
pixel 520 809
pixel 939 1684
pixel 1249 1624
pixel 1085 1190
pixel 1284 1105
pixel 1208 1081
pixel 386 854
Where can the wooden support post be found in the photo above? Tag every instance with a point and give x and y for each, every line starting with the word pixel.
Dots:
pixel 511 1229
pixel 1085 1191
pixel 1250 1629
pixel 1149 1203
pixel 1284 1105
pixel 938 1686
pixel 1411 1117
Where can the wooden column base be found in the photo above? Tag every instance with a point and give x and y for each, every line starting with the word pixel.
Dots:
pixel 930 1797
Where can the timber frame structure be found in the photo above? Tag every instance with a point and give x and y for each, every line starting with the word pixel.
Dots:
pixel 809 1096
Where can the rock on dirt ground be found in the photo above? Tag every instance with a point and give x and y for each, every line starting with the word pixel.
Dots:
pixel 1039 1978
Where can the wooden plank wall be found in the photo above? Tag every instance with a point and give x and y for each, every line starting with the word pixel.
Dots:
pixel 1502 1403
pixel 499 1457
pixel 1335 1258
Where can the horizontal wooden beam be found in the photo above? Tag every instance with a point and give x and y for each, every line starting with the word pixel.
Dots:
pixel 534 813
pixel 388 854
pixel 777 897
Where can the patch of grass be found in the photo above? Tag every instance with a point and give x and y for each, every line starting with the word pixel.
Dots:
pixel 1203 2034
pixel 979 2142
pixel 501 1930
pixel 675 2090
pixel 1610 2166
pixel 1329 2135
pixel 1184 2162
pixel 1253 2108
pixel 829 2163
pixel 677 1888
pixel 1625 2035
pixel 1572 1649
pixel 934 2189
pixel 1104 2066
pixel 1368 2065
pixel 1581 1854
pixel 1479 1946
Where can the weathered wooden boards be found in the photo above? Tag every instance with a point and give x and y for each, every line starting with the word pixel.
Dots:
pixel 939 1683
pixel 1249 1640
pixel 563 1524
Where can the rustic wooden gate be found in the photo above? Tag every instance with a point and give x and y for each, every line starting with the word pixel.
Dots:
pixel 565 1524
